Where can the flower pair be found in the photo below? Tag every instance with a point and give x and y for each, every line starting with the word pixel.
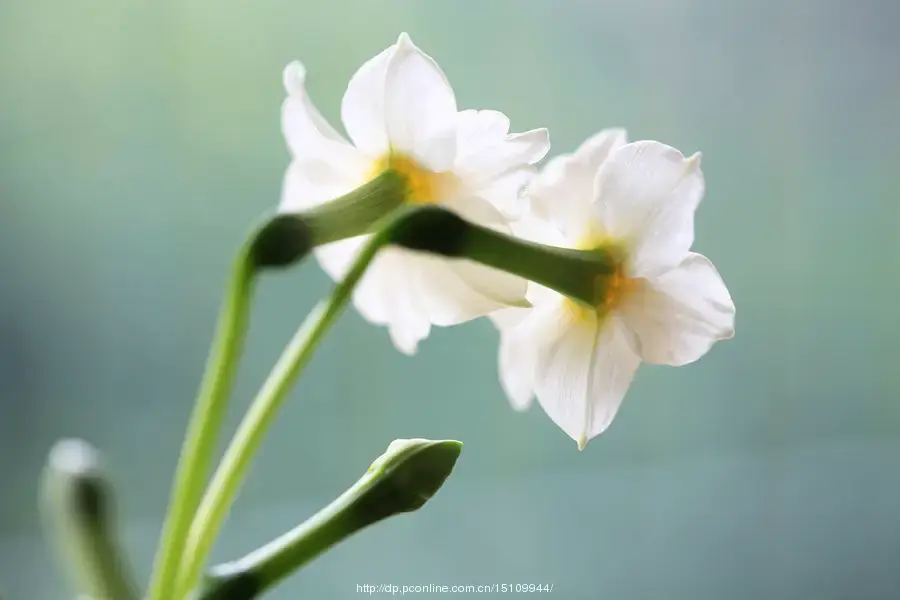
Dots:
pixel 635 202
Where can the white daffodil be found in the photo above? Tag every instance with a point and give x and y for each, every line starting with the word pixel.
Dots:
pixel 661 304
pixel 400 113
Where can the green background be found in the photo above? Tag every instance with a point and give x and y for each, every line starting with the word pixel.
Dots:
pixel 139 141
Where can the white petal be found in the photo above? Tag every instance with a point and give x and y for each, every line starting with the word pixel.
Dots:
pixel 388 295
pixel 594 151
pixel 308 134
pixel 310 182
pixel 419 107
pixel 518 357
pixel 508 318
pixel 362 108
pixel 476 129
pixel 455 291
pixel 408 322
pixel 337 257
pixel 583 375
pixel 523 334
pixel 540 231
pixel 479 211
pixel 563 190
pixel 678 317
pixel 506 192
pixel 373 296
pixel 481 166
pixel 647 193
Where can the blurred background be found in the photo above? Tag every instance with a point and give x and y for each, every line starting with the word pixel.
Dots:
pixel 139 141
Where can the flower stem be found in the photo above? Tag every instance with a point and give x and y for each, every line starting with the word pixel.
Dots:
pixel 575 273
pixel 205 423
pixel 236 461
pixel 279 242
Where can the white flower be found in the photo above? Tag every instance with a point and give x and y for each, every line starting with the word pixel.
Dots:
pixel 664 304
pixel 400 112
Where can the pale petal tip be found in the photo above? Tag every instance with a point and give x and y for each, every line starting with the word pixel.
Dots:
pixel 693 161
pixel 582 442
pixel 404 40
pixel 543 142
pixel 294 78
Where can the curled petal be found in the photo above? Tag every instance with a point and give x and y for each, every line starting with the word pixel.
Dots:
pixel 679 316
pixel 419 107
pixel 648 192
pixel 308 134
pixel 494 158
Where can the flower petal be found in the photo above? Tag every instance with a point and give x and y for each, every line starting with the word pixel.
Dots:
pixel 308 134
pixel 583 375
pixel 419 107
pixel 678 317
pixel 518 355
pixel 647 192
pixel 407 321
pixel 508 318
pixel 455 291
pixel 540 231
pixel 482 165
pixel 505 192
pixel 310 182
pixel 387 295
pixel 563 191
pixel 476 129
pixel 362 108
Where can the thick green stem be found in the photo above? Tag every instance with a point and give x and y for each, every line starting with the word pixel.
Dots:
pixel 236 461
pixel 205 423
pixel 279 242
pixel 579 274
pixel 354 214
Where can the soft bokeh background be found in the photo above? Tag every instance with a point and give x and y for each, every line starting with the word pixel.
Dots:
pixel 139 140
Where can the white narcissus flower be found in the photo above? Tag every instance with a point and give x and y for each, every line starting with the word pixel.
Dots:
pixel 663 304
pixel 400 112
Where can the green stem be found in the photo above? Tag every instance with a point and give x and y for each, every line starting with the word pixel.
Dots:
pixel 579 274
pixel 205 423
pixel 354 213
pixel 280 242
pixel 236 461
pixel 402 480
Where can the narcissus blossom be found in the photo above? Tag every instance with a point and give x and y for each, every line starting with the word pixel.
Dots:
pixel 400 113
pixel 661 303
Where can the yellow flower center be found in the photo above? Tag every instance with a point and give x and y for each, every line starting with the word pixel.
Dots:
pixel 423 186
pixel 611 290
